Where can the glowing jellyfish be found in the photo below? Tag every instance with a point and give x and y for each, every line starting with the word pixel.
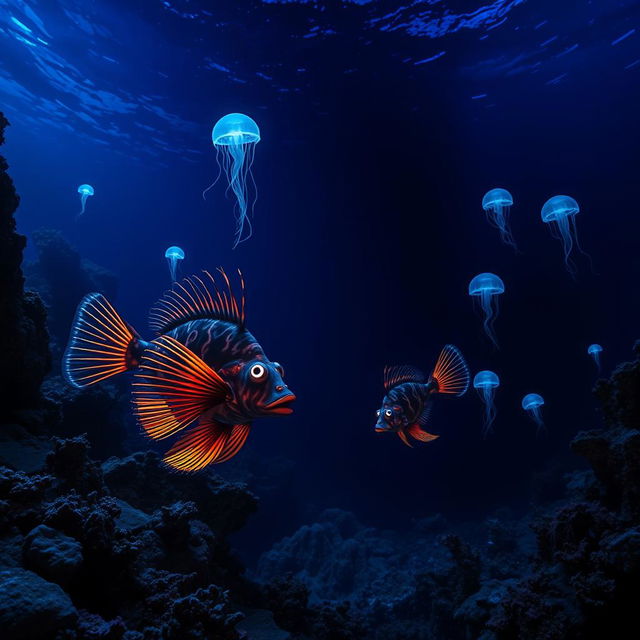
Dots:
pixel 174 255
pixel 594 351
pixel 560 212
pixel 487 287
pixel 497 204
pixel 235 137
pixel 486 383
pixel 531 403
pixel 85 190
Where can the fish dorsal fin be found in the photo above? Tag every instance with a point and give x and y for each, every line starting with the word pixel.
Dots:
pixel 198 297
pixel 397 374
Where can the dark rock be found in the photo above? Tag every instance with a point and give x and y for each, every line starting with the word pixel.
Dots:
pixel 99 412
pixel 20 450
pixel 224 506
pixel 62 278
pixel 31 607
pixel 52 554
pixel 23 333
pixel 70 463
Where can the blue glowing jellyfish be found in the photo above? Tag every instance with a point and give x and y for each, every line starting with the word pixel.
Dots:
pixel 487 287
pixel 560 212
pixel 173 256
pixel 594 350
pixel 85 190
pixel 531 403
pixel 486 383
pixel 497 204
pixel 235 137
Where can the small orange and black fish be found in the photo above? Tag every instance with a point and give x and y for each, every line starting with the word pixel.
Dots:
pixel 407 405
pixel 203 367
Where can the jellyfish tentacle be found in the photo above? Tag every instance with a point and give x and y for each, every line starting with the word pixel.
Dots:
pixel 566 228
pixel 489 315
pixel 213 184
pixel 489 410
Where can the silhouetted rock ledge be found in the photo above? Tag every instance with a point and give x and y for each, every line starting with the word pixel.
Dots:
pixel 24 341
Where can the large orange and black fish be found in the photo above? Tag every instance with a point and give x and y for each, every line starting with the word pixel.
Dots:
pixel 407 405
pixel 204 367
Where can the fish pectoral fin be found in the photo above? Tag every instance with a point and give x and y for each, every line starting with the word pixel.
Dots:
pixel 235 442
pixel 417 433
pixel 173 387
pixel 210 442
pixel 403 436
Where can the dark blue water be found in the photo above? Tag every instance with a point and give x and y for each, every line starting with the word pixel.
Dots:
pixel 368 225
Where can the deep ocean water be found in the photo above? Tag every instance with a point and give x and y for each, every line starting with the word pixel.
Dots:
pixel 382 125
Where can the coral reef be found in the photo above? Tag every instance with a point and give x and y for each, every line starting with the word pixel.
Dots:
pixel 100 567
pixel 23 334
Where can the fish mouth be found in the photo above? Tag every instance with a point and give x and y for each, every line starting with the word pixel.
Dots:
pixel 381 429
pixel 279 406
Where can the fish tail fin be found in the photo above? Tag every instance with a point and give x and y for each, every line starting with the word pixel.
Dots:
pixel 101 343
pixel 451 373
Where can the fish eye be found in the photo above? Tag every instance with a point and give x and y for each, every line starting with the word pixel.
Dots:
pixel 378 412
pixel 279 369
pixel 388 413
pixel 258 372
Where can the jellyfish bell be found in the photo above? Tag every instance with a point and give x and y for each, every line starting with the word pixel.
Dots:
pixel 594 350
pixel 486 384
pixel 486 287
pixel 497 204
pixel 486 380
pixel 174 255
pixel 234 129
pixel 532 403
pixel 234 137
pixel 85 190
pixel 560 213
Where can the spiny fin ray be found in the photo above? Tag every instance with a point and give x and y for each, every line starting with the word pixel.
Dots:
pixel 451 372
pixel 173 387
pixel 199 297
pixel 98 345
pixel 398 374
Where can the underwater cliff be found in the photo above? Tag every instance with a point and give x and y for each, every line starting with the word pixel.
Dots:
pixel 100 541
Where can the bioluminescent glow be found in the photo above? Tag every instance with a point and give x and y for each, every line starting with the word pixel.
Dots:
pixel 174 255
pixel 235 136
pixel 532 403
pixel 486 287
pixel 497 204
pixel 560 213
pixel 594 350
pixel 486 383
pixel 85 190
